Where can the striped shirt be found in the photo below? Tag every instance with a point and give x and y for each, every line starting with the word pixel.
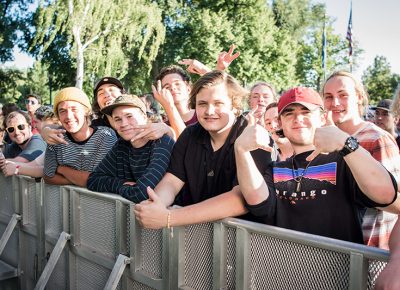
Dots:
pixel 377 225
pixel 145 166
pixel 83 156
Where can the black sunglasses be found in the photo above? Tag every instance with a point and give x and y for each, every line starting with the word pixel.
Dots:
pixel 12 129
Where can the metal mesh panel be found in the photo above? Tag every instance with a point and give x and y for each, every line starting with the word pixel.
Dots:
pixel 58 278
pixel 90 275
pixel 135 285
pixel 231 258
pixel 199 256
pixel 374 269
pixel 30 256
pixel 30 204
pixel 97 225
pixel 6 196
pixel 53 210
pixel 151 241
pixel 280 264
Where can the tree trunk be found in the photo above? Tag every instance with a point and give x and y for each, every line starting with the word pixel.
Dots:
pixel 79 67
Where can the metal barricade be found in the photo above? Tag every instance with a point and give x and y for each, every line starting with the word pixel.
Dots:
pixel 9 232
pixel 92 241
pixel 31 248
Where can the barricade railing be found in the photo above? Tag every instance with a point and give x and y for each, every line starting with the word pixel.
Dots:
pixel 73 238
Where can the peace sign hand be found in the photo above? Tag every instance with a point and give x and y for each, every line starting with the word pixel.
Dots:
pixel 225 58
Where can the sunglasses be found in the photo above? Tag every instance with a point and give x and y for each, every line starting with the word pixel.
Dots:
pixel 32 102
pixel 19 127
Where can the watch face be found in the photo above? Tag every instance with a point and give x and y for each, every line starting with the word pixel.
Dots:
pixel 352 143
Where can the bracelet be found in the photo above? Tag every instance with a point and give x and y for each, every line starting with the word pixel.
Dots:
pixel 169 220
pixel 17 169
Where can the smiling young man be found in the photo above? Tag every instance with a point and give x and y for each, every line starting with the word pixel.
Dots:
pixel 24 146
pixel 261 95
pixel 86 145
pixel 345 96
pixel 323 194
pixel 130 167
pixel 203 160
pixel 106 90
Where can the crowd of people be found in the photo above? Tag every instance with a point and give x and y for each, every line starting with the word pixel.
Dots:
pixel 303 160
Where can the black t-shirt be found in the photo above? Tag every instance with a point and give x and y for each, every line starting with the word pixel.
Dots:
pixel 330 203
pixel 207 173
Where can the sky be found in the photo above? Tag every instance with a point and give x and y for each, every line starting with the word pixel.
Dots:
pixel 375 27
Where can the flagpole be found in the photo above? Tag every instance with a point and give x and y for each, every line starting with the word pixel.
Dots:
pixel 323 54
pixel 349 36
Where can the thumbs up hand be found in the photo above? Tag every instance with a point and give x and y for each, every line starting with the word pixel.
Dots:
pixel 253 137
pixel 151 213
pixel 328 138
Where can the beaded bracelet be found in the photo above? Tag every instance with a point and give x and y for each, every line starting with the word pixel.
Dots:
pixel 169 220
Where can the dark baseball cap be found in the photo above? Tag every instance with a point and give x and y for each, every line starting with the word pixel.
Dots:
pixel 108 80
pixel 384 104
pixel 125 100
pixel 307 97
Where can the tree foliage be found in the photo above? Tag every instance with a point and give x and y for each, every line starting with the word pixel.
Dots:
pixel 379 81
pixel 100 35
pixel 202 29
pixel 10 81
pixel 79 41
pixel 12 14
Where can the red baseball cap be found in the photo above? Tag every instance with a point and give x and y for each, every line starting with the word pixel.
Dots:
pixel 307 97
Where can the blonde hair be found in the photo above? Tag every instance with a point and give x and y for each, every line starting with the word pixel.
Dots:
pixel 359 87
pixel 264 84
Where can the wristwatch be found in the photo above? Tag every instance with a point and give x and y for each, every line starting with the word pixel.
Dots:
pixel 350 145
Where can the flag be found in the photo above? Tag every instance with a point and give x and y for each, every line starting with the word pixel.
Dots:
pixel 349 35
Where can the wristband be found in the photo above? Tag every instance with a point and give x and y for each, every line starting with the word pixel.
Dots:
pixel 16 172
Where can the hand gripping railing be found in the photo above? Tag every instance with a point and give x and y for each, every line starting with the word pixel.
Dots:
pixel 55 255
pixel 7 233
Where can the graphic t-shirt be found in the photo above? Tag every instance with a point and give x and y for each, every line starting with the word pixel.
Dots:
pixel 329 202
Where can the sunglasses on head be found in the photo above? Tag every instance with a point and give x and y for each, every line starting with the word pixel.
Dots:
pixel 19 127
pixel 32 102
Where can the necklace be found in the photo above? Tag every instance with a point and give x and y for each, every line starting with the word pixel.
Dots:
pixel 299 178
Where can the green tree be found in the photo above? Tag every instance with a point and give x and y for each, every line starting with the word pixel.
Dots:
pixel 304 21
pixel 10 80
pixel 37 82
pixel 100 35
pixel 12 16
pixel 202 29
pixel 379 80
